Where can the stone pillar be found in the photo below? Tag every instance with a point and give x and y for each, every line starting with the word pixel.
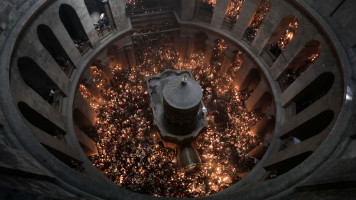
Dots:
pixel 248 10
pixel 301 83
pixel 258 152
pixel 56 145
pixel 292 50
pixel 296 123
pixel 123 60
pixel 261 128
pixel 187 9
pixel 256 98
pixel 219 13
pixel 241 79
pixel 190 47
pixel 88 145
pixel 109 14
pixel 284 160
pixel 131 56
pixel 119 13
pixel 83 106
pixel 183 41
pixel 227 62
pixel 209 47
pixel 91 86
pixel 266 30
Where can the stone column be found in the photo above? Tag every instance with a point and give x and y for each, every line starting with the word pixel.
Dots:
pixel 292 50
pixel 131 56
pixel 123 60
pixel 297 124
pixel 248 10
pixel 88 145
pixel 258 152
pixel 83 106
pixel 261 128
pixel 56 145
pixel 219 13
pixel 256 98
pixel 119 13
pixel 266 30
pixel 301 83
pixel 109 14
pixel 190 47
pixel 182 47
pixel 241 79
pixel 209 47
pixel 284 159
pixel 228 60
pixel 187 9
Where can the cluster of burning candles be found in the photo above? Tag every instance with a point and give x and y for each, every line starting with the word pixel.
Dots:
pixel 233 10
pixel 131 153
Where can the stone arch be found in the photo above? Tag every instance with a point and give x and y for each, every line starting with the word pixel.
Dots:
pixel 262 9
pixel 254 78
pixel 282 35
pixel 95 8
pixel 39 121
pixel 312 127
pixel 36 78
pixel 53 46
pixel 74 27
pixel 304 59
pixel 314 91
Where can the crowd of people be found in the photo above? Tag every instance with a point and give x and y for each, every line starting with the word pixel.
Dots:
pixel 207 5
pixel 131 153
pixel 134 7
pixel 154 34
pixel 257 20
pixel 102 24
pixel 233 10
pixel 287 36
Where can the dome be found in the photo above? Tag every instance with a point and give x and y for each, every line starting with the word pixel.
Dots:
pixel 182 93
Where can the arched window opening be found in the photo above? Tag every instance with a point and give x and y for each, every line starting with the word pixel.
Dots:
pixel 263 8
pixel 236 64
pixel 207 5
pixel 41 122
pixel 205 10
pixel 314 91
pixel 100 15
pixel 282 35
pixel 286 165
pixel 232 12
pixel 74 27
pixel 68 160
pixel 39 81
pixel 313 126
pixel 53 46
pixel 300 63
